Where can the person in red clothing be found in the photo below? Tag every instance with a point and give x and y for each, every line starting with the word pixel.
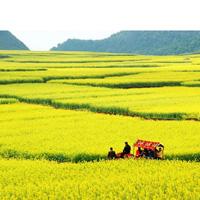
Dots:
pixel 138 153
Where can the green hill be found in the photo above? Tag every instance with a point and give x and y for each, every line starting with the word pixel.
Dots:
pixel 139 42
pixel 9 42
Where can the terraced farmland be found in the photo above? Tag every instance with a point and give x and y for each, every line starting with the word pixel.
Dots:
pixel 59 110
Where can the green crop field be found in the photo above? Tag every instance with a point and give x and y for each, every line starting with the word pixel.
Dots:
pixel 61 111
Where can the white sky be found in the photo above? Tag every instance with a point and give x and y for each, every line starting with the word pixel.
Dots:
pixel 41 24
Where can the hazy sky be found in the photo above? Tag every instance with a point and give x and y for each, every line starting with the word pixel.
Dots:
pixel 41 24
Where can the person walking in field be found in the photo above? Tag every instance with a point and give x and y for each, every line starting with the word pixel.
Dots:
pixel 111 154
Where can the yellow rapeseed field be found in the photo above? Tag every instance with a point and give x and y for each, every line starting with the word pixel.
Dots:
pixel 60 112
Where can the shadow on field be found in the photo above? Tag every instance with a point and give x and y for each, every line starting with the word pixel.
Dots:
pixel 82 157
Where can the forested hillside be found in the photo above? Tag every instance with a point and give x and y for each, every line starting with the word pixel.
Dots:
pixel 9 42
pixel 139 42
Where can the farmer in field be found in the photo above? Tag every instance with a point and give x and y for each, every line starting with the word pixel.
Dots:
pixel 127 149
pixel 111 154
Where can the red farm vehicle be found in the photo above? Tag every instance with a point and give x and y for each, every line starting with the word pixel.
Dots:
pixel 145 149
pixel 148 149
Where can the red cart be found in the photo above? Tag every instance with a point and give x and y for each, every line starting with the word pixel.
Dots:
pixel 148 149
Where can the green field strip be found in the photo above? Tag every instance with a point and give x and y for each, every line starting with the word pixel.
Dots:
pixel 4 56
pixel 23 70
pixel 78 60
pixel 108 66
pixel 130 85
pixel 141 80
pixel 80 157
pixel 8 100
pixel 19 81
pixel 100 76
pixel 49 78
pixel 112 110
pixel 71 61
pixel 139 84
pixel 57 157
pixel 192 83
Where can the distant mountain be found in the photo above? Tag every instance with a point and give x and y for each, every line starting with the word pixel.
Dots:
pixel 139 42
pixel 9 42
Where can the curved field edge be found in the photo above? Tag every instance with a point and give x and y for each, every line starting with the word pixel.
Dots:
pixel 49 78
pixel 131 84
pixel 99 180
pixel 112 110
pixel 128 85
